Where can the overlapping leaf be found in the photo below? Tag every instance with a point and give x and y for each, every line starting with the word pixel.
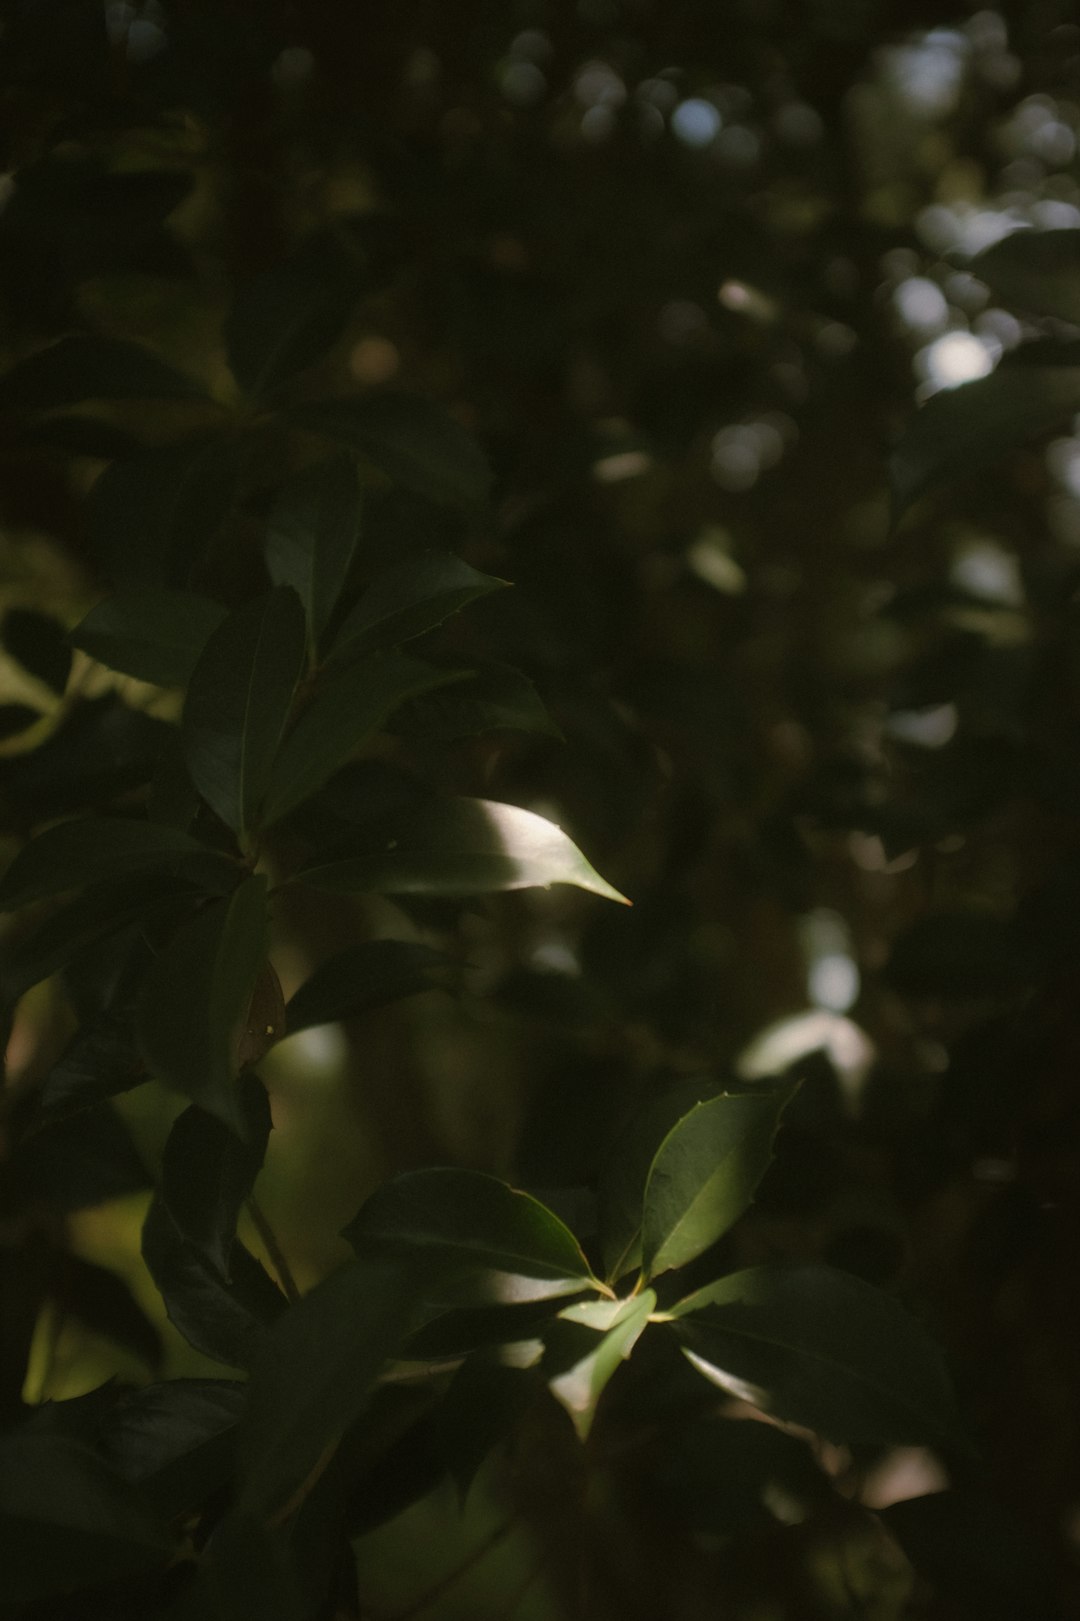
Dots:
pixel 361 977
pixel 409 438
pixel 97 849
pixel 312 536
pixel 586 1346
pixel 408 600
pixel 149 632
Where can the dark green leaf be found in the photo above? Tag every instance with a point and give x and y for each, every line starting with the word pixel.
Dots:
pixel 101 848
pixel 226 1317
pixel 720 1475
pixel 172 501
pixel 627 1166
pixel 819 1348
pixel 75 1164
pixel 349 707
pixel 238 702
pixel 584 1348
pixel 312 535
pixel 410 599
pixel 976 1555
pixel 362 977
pixel 288 318
pixel 102 1302
pixel 705 1174
pixel 67 1521
pixel 207 1172
pixel 104 910
pixel 1038 271
pixel 961 430
pixel 410 439
pixel 16 718
pixel 247 1570
pixel 151 633
pixel 314 1374
pixel 175 1441
pixel 485 1400
pixel 88 366
pixel 496 698
pixel 98 1062
pixel 469 1226
pixel 193 1006
pixel 37 642
pixel 100 749
pixel 465 847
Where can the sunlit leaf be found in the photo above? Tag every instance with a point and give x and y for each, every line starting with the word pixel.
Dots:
pixel 465 847
pixel 349 707
pixel 409 438
pixel 94 849
pixel 363 976
pixel 311 537
pixel 409 599
pixel 149 632
pixel 817 1347
pixel 961 430
pixel 89 366
pixel 238 702
pixel 1037 271
pixel 194 1000
pixel 580 1358
pixel 705 1174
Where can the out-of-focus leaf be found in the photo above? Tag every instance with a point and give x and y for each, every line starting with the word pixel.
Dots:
pixel 238 702
pixel 288 317
pixel 819 1348
pixel 495 698
pixel 88 366
pixel 705 1174
pixel 485 1241
pixel 485 1400
pixel 75 1164
pixel 362 977
pixel 1038 271
pixel 194 1001
pixel 101 1301
pixel 174 500
pixel 248 1569
pixel 100 749
pixel 584 1347
pixel 409 438
pixel 627 1166
pixel 312 535
pixel 96 849
pixel 151 633
pixel 349 707
pixel 207 1171
pixel 960 430
pixel 68 1521
pixel 975 1554
pixel 16 718
pixel 226 1317
pixel 465 847
pixel 37 642
pixel 409 599
pixel 313 1376
pixel 717 1475
pixel 99 1061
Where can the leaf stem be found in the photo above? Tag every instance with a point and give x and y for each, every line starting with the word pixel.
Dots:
pixel 274 1252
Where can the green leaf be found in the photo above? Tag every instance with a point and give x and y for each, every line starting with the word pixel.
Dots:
pixel 247 1569
pixel 226 1316
pixel 465 847
pixel 194 1000
pixel 175 1441
pixel 312 536
pixel 175 500
pixel 88 366
pixel 409 438
pixel 496 698
pixel 626 1170
pixel 207 1172
pixel 483 1405
pixel 819 1348
pixel 238 702
pixel 96 849
pixel 410 599
pixel 362 977
pixel 99 1061
pixel 349 707
pixel 151 633
pixel 485 1241
pixel 1035 270
pixel 68 1521
pixel 705 1174
pixel 37 642
pixel 313 1376
pixel 287 318
pixel 961 430
pixel 585 1348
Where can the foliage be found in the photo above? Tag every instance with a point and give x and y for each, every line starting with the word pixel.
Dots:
pixel 583 1302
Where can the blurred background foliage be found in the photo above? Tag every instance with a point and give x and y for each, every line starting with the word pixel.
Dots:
pixel 686 270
